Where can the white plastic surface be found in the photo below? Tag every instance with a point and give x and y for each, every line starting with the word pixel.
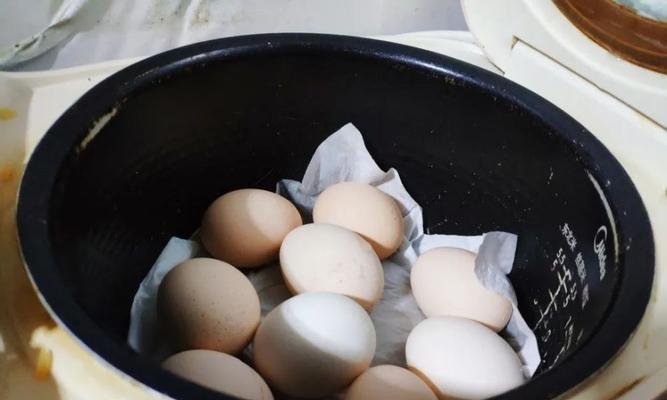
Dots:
pixel 500 24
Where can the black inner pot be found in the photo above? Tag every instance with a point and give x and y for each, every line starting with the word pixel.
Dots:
pixel 478 152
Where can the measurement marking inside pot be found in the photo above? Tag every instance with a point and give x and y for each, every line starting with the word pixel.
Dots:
pixel 568 335
pixel 566 283
pixel 569 294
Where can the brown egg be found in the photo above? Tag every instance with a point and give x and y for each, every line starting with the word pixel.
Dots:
pixel 389 382
pixel 205 303
pixel 365 210
pixel 220 372
pixel 245 227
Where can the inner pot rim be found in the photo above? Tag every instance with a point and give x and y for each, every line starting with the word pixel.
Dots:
pixel 633 290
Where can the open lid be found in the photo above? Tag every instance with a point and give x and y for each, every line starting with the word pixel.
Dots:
pixel 621 50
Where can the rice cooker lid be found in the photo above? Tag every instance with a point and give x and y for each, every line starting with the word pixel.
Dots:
pixel 618 45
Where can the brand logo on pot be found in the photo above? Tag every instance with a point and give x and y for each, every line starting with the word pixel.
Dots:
pixel 600 249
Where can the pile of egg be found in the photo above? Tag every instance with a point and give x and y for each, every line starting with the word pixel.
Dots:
pixel 321 341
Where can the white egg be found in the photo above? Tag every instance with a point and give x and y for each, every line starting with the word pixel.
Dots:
pixel 314 344
pixel 462 358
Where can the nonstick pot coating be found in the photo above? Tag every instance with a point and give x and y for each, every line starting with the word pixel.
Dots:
pixel 478 152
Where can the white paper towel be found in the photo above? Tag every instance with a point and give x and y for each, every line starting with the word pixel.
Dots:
pixel 344 157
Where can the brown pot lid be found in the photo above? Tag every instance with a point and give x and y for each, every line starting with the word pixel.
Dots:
pixel 635 38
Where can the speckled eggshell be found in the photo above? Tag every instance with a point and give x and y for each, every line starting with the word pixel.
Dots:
pixel 314 345
pixel 463 359
pixel 365 210
pixel 389 382
pixel 329 258
pixel 205 303
pixel 444 282
pixel 246 227
pixel 220 372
